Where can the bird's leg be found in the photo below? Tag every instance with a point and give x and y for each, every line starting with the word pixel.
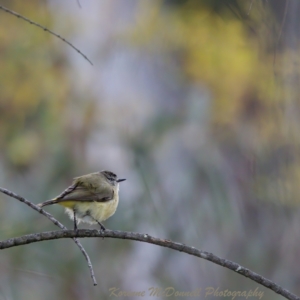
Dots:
pixel 75 220
pixel 101 226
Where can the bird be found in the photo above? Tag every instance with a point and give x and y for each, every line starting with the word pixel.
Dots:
pixel 91 198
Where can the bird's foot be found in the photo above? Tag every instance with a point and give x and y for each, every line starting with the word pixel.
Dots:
pixel 102 228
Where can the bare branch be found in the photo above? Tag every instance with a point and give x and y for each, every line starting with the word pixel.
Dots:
pixel 57 223
pixel 44 236
pixel 78 3
pixel 250 7
pixel 45 29
pixel 82 233
pixel 283 20
pixel 281 29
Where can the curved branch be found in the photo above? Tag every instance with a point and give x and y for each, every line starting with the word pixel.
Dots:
pixel 82 233
pixel 57 223
pixel 45 29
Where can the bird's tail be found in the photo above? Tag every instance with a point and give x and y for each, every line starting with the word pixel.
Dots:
pixel 49 202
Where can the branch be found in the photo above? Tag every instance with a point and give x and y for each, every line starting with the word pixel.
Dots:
pixel 250 7
pixel 78 3
pixel 44 236
pixel 45 29
pixel 82 233
pixel 281 29
pixel 57 223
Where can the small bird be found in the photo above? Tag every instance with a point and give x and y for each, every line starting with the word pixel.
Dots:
pixel 91 198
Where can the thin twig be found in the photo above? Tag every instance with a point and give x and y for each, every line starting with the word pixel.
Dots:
pixel 78 3
pixel 57 223
pixel 250 7
pixel 45 29
pixel 82 233
pixel 281 29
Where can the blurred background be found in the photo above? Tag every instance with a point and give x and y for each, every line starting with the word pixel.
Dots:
pixel 196 103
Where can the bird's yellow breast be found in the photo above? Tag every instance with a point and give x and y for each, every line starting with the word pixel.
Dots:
pixel 68 204
pixel 91 212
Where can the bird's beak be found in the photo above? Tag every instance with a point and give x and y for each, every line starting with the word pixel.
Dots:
pixel 120 180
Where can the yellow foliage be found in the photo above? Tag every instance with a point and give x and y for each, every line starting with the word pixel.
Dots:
pixel 212 52
pixel 23 150
pixel 33 88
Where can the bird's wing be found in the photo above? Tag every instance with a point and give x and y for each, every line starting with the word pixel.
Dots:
pixel 67 191
pixel 78 192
